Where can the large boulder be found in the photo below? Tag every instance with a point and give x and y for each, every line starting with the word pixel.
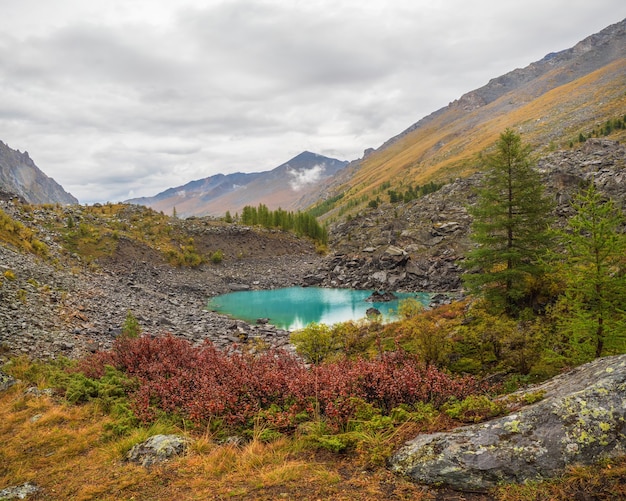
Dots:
pixel 19 491
pixel 580 421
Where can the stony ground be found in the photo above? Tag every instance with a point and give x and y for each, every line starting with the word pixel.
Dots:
pixel 49 309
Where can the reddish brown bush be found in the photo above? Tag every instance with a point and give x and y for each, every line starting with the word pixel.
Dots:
pixel 200 383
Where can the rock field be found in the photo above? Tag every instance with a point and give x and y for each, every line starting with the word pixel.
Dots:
pixel 49 309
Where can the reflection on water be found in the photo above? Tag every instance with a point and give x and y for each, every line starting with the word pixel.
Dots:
pixel 294 307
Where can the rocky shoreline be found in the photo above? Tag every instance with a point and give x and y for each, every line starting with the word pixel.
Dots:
pixel 48 310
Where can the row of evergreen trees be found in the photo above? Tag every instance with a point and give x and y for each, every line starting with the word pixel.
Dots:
pixel 413 193
pixel 301 223
pixel 522 263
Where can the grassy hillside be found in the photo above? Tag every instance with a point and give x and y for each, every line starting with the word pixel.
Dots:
pixel 97 233
pixel 447 144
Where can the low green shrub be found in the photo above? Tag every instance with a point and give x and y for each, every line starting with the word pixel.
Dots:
pixel 474 408
pixel 131 327
pixel 217 257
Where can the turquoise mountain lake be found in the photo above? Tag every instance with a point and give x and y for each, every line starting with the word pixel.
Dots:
pixel 295 307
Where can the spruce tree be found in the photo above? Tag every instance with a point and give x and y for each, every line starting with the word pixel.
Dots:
pixel 511 221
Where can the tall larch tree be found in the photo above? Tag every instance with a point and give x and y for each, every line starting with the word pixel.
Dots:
pixel 594 272
pixel 511 222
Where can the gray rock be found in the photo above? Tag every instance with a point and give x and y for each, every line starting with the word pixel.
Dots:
pixel 381 297
pixel 372 312
pixel 380 276
pixel 6 381
pixel 157 449
pixel 18 491
pixel 392 250
pixel 581 420
pixel 238 287
pixel 35 392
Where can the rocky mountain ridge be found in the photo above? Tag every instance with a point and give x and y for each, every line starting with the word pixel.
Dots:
pixel 20 176
pixel 290 186
pixel 587 56
pixel 550 102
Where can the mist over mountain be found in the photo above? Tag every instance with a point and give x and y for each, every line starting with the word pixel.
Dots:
pixel 20 176
pixel 293 185
pixel 550 102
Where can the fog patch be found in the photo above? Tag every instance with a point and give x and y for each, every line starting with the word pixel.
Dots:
pixel 302 178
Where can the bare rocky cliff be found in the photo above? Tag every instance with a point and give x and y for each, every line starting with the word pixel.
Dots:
pixel 20 176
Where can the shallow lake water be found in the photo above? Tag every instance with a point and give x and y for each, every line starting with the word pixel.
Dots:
pixel 295 307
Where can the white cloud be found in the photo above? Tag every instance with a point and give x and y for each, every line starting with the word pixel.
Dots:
pixel 116 97
pixel 301 178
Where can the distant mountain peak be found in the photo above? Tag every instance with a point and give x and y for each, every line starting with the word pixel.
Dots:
pixel 292 186
pixel 20 175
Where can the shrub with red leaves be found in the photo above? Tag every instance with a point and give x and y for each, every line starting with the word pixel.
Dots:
pixel 200 383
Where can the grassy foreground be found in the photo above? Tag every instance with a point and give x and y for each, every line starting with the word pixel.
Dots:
pixel 65 450
pixel 76 451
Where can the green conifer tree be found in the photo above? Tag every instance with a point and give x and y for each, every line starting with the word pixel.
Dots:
pixel 510 227
pixel 595 295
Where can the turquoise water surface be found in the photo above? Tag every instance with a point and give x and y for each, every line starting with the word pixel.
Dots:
pixel 295 307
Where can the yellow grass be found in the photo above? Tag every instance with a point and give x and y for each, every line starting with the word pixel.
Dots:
pixel 63 449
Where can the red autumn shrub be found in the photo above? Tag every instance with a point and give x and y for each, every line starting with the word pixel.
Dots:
pixel 200 383
pixel 393 379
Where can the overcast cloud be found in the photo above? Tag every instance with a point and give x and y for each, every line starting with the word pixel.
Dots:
pixel 118 98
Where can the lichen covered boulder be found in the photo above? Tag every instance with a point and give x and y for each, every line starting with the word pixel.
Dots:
pixel 157 449
pixel 19 491
pixel 580 421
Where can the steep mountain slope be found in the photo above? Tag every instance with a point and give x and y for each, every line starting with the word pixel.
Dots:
pixel 19 175
pixel 288 186
pixel 550 102
pixel 420 245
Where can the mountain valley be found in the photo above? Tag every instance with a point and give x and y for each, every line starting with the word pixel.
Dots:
pixel 411 244
pixel 74 277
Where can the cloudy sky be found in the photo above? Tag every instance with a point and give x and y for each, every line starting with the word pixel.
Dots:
pixel 121 98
